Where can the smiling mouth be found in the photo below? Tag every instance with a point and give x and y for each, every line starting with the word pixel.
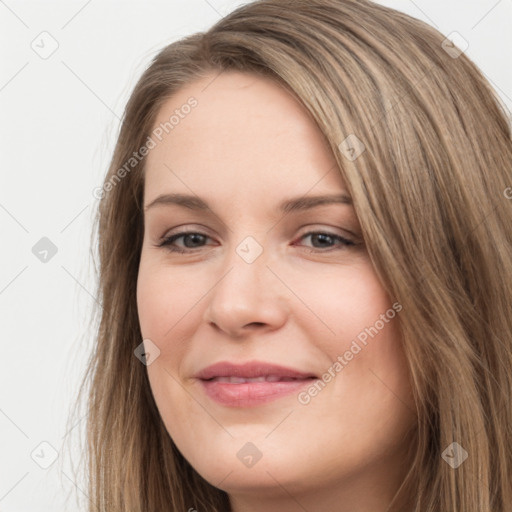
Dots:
pixel 251 384
pixel 248 392
pixel 263 378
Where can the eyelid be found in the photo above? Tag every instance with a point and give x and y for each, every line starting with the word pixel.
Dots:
pixel 169 239
pixel 316 228
pixel 310 229
pixel 186 228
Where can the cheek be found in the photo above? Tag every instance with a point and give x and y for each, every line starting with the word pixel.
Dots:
pixel 170 309
pixel 164 296
pixel 358 328
pixel 345 303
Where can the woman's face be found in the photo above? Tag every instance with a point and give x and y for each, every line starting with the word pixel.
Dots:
pixel 277 365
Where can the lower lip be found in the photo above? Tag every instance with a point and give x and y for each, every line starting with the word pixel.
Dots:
pixel 251 394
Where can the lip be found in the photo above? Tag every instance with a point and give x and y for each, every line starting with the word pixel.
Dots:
pixel 224 383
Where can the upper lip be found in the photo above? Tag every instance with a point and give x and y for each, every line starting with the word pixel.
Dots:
pixel 249 370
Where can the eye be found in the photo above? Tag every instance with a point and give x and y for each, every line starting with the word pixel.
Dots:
pixel 326 240
pixel 193 240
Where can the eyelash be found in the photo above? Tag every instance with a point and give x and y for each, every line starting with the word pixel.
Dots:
pixel 166 242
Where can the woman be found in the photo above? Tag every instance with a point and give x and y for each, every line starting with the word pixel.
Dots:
pixel 305 270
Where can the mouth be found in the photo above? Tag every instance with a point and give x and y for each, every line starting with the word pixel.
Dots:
pixel 251 384
pixel 263 378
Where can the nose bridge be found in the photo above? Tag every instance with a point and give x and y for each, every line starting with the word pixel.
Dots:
pixel 250 250
pixel 247 267
pixel 247 293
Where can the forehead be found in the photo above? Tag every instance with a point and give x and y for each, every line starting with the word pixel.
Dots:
pixel 246 135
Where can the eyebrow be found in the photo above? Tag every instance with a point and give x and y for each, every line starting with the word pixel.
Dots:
pixel 289 205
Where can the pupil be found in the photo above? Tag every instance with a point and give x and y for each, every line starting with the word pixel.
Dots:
pixel 323 237
pixel 196 238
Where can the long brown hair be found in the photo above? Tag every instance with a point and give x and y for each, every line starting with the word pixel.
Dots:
pixel 430 191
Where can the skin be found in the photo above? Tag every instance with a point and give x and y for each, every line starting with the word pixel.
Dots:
pixel 245 147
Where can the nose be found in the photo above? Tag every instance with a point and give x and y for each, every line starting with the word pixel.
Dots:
pixel 247 297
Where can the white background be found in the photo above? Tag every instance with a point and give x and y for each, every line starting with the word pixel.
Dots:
pixel 59 119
